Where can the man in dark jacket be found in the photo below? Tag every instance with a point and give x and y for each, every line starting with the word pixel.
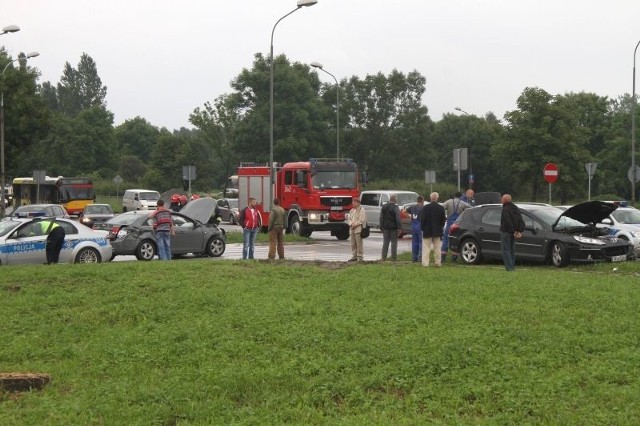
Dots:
pixel 432 220
pixel 511 227
pixel 391 226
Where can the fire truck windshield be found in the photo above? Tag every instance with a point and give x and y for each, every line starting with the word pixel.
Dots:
pixel 334 179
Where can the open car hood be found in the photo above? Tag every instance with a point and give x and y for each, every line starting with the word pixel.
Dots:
pixel 201 209
pixel 590 211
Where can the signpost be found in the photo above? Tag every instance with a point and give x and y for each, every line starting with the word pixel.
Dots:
pixel 39 176
pixel 550 174
pixel 188 174
pixel 117 180
pixel 459 161
pixel 591 170
pixel 430 178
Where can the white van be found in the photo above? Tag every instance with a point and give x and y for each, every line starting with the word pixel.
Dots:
pixel 140 199
pixel 372 202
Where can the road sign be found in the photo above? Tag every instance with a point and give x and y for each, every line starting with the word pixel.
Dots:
pixel 591 168
pixel 637 174
pixel 550 173
pixel 430 176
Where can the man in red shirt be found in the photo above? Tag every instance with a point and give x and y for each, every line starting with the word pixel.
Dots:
pixel 250 225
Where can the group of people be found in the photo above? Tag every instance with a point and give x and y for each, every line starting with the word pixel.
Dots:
pixel 179 201
pixel 250 222
pixel 430 225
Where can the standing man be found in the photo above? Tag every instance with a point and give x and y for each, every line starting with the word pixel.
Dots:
pixel 276 230
pixel 468 197
pixel 163 228
pixel 416 231
pixel 432 220
pixel 511 228
pixel 453 207
pixel 391 227
pixel 250 224
pixel 357 221
pixel 55 240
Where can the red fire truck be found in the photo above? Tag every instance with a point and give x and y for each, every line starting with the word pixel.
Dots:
pixel 316 194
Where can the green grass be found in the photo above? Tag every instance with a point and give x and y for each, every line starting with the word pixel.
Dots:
pixel 257 342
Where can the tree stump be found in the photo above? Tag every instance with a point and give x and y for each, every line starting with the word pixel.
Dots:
pixel 20 382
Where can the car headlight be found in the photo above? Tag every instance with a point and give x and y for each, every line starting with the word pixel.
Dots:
pixel 635 234
pixel 587 240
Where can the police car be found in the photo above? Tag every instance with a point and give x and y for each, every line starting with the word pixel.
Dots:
pixel 624 223
pixel 22 241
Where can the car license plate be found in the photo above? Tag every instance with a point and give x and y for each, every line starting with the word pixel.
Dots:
pixel 336 207
pixel 620 258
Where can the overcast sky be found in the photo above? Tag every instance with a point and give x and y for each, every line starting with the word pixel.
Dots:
pixel 161 59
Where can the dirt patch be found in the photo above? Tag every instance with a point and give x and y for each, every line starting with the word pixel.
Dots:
pixel 320 263
pixel 21 382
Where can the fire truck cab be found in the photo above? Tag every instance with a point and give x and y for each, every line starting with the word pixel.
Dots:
pixel 316 194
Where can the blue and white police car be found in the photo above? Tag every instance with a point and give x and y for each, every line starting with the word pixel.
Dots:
pixel 22 241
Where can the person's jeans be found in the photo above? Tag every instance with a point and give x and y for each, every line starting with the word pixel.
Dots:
pixel 390 235
pixel 248 242
pixel 508 244
pixel 163 241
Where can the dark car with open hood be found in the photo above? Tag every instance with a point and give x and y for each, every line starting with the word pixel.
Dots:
pixel 132 233
pixel 551 235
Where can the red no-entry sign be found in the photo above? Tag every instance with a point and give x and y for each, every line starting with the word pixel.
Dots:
pixel 550 172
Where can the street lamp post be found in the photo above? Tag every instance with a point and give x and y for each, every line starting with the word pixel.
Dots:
pixel 2 175
pixel 300 4
pixel 461 110
pixel 319 66
pixel 633 130
pixel 10 29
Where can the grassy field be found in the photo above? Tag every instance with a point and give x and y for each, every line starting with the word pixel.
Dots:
pixel 258 342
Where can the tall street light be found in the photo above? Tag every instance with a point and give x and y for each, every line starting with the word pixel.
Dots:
pixel 300 4
pixel 2 176
pixel 319 66
pixel 461 110
pixel 633 130
pixel 10 29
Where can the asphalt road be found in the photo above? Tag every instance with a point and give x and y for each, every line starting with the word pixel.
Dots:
pixel 325 247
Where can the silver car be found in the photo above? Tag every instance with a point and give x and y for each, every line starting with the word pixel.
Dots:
pixel 21 241
pixel 132 232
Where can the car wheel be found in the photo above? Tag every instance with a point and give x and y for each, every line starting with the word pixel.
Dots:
pixel 559 256
pixel 88 255
pixel 146 250
pixel 216 247
pixel 470 252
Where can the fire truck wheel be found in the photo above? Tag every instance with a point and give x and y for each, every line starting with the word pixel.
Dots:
pixel 342 235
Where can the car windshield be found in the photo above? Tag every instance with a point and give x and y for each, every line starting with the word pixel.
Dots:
pixel 627 216
pixel 98 210
pixel 7 226
pixel 334 179
pixel 549 215
pixel 149 196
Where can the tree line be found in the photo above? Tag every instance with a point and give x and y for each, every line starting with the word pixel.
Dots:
pixel 66 129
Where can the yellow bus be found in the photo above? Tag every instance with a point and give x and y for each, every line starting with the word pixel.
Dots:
pixel 73 193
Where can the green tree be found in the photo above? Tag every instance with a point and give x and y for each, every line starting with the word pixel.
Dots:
pixel 79 88
pixel 136 137
pixel 299 123
pixel 387 120
pixel 540 131
pixel 26 118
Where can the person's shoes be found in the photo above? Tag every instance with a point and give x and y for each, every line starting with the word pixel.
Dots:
pixel 454 259
pixel 443 258
pixel 353 259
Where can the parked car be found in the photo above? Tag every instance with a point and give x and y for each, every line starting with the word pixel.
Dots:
pixel 132 232
pixel 96 215
pixel 22 241
pixel 551 234
pixel 39 210
pixel 227 210
pixel 372 202
pixel 624 223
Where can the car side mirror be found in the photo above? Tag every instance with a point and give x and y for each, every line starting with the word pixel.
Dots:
pixel 532 230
